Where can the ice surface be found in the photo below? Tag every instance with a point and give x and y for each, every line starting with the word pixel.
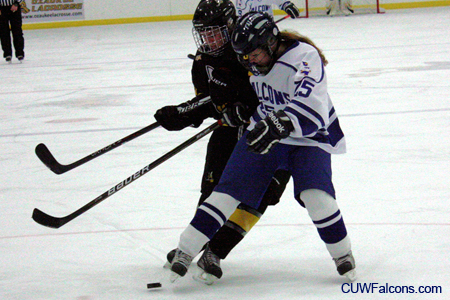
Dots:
pixel 80 89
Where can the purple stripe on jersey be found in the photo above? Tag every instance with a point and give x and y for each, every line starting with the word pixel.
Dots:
pixel 321 77
pixel 331 112
pixel 335 132
pixel 287 65
pixel 308 126
pixel 287 50
pixel 310 110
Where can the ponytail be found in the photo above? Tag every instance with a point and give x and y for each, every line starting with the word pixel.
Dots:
pixel 295 36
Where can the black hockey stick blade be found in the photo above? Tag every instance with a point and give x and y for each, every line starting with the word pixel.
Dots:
pixel 55 222
pixel 49 160
pixel 44 154
pixel 46 220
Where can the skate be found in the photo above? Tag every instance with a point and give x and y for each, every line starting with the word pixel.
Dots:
pixel 346 266
pixel 346 7
pixel 170 257
pixel 180 265
pixel 209 269
pixel 8 59
pixel 20 58
pixel 332 7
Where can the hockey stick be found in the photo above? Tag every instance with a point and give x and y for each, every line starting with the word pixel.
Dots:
pixel 283 18
pixel 49 160
pixel 55 222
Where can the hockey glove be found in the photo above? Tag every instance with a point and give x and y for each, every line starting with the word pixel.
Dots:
pixel 268 132
pixel 234 115
pixel 291 9
pixel 170 118
pixel 174 118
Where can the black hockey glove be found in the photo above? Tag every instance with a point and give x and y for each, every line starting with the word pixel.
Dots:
pixel 268 132
pixel 170 118
pixel 235 115
pixel 177 117
pixel 291 10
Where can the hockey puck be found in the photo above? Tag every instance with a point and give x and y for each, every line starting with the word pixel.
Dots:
pixel 154 285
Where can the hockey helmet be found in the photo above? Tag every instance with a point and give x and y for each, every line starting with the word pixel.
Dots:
pixel 255 30
pixel 213 22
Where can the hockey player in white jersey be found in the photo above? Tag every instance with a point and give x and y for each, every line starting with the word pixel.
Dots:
pixel 295 127
pixel 265 6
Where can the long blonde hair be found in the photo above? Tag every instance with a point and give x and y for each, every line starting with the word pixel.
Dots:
pixel 287 35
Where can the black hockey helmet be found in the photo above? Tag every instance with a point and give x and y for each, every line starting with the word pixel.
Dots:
pixel 213 21
pixel 255 30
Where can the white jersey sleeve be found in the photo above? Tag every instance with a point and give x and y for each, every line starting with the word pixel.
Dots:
pixel 297 84
pixel 265 6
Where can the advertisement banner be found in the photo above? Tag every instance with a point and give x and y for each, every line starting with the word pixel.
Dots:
pixel 51 10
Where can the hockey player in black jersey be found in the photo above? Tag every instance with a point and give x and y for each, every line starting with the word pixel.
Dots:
pixel 223 91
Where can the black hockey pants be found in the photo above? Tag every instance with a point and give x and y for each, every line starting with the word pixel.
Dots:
pixel 13 19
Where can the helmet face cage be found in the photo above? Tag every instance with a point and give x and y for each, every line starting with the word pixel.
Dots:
pixel 256 70
pixel 211 39
pixel 213 22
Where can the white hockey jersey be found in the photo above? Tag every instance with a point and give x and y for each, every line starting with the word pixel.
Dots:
pixel 265 6
pixel 297 84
